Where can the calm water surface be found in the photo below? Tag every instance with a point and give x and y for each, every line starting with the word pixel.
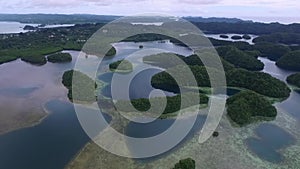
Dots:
pixel 271 138
pixel 59 137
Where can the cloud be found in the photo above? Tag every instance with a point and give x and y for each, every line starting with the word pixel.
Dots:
pixel 206 8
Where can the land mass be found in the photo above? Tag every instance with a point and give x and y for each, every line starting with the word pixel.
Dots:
pixel 81 87
pixel 246 106
pixel 59 57
pixel 290 61
pixel 121 66
pixel 294 79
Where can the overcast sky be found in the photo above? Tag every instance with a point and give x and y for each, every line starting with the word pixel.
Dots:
pixel 285 11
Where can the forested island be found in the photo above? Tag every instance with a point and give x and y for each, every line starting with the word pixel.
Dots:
pixel 247 37
pixel 173 105
pixel 121 66
pixel 240 59
pixel 81 87
pixel 247 106
pixel 290 61
pixel 272 51
pixel 259 82
pixel 35 59
pixel 59 57
pixel 236 37
pixel 186 164
pixel 294 79
pixel 224 36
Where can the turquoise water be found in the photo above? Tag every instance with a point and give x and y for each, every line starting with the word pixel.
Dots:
pixel 270 139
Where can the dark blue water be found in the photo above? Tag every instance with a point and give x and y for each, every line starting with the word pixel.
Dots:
pixel 231 91
pixel 140 85
pixel 270 139
pixel 49 145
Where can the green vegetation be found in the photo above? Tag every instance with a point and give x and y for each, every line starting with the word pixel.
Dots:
pixel 247 37
pixel 294 79
pixel 165 81
pixel 168 60
pixel 5 59
pixel 111 52
pixel 165 60
pixel 253 53
pixel 259 82
pixel 45 41
pixel 28 27
pixel 81 87
pixel 254 28
pixel 59 57
pixel 236 37
pixel 121 66
pixel 284 38
pixel 186 164
pixel 172 106
pixel 215 134
pixel 224 36
pixel 290 61
pixel 271 51
pixel 240 59
pixel 245 106
pixel 36 59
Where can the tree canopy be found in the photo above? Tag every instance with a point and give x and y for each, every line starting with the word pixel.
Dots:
pixel 81 87
pixel 271 51
pixel 290 61
pixel 186 164
pixel 36 59
pixel 246 105
pixel 240 59
pixel 59 57
pixel 259 82
pixel 294 79
pixel 121 66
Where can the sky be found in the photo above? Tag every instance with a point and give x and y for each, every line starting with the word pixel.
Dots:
pixel 284 11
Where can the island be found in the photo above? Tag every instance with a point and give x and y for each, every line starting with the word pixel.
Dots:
pixel 236 37
pixel 29 28
pixel 271 51
pixel 259 82
pixel 287 38
pixel 186 164
pixel 81 87
pixel 35 59
pixel 240 59
pixel 290 61
pixel 112 52
pixel 60 57
pixel 294 79
pixel 224 36
pixel 121 66
pixel 165 81
pixel 247 37
pixel 174 103
pixel 247 106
